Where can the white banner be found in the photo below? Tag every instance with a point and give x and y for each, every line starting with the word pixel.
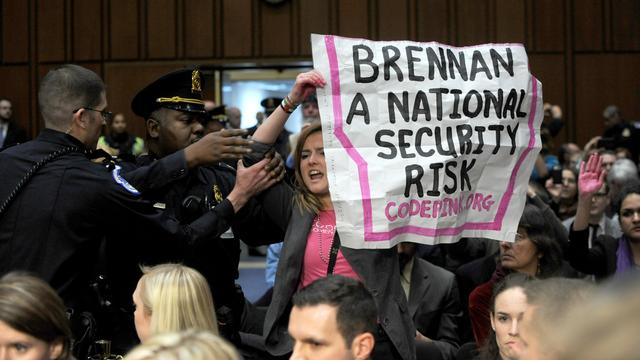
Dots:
pixel 426 142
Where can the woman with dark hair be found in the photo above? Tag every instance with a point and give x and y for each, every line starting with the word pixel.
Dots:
pixel 311 243
pixel 607 255
pixel 508 304
pixel 535 252
pixel 33 321
pixel 565 194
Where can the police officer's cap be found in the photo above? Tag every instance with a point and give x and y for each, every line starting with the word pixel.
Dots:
pixel 270 104
pixel 179 90
pixel 218 113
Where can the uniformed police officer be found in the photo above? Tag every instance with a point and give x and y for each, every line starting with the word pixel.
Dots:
pixel 56 205
pixel 173 111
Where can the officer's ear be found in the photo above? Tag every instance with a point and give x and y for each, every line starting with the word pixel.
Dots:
pixel 79 120
pixel 153 128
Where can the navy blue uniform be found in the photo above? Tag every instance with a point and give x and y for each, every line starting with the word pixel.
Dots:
pixel 55 225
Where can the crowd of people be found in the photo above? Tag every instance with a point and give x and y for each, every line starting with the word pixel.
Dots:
pixel 111 244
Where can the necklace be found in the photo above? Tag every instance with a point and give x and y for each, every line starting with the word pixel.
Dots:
pixel 319 237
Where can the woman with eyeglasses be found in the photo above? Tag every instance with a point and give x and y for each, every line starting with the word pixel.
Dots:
pixel 607 255
pixel 535 253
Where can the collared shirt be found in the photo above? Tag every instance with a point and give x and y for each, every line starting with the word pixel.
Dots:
pixel 405 277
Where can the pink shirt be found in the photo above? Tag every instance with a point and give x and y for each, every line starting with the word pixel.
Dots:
pixel 316 253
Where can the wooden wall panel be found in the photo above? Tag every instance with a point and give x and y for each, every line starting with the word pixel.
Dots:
pixel 389 11
pixel 549 69
pixel 625 24
pixel 161 29
pixel 198 28
pixel 588 28
pixel 602 80
pixel 123 83
pixel 584 51
pixel 353 18
pixel 124 30
pixel 15 86
pixel 548 25
pixel 87 29
pixel 51 23
pixel 319 23
pixel 510 21
pixel 237 34
pixel 472 19
pixel 276 32
pixel 14 19
pixel 433 21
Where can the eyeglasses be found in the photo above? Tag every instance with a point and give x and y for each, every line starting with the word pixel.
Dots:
pixel 106 115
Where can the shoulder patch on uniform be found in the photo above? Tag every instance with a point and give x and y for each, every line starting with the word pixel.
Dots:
pixel 122 182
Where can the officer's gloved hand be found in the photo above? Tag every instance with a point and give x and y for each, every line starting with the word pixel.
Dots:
pixel 275 167
pixel 218 146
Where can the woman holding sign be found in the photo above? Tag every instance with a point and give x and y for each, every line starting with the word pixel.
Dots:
pixel 312 246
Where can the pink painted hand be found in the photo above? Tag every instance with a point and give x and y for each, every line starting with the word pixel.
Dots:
pixel 591 176
pixel 305 84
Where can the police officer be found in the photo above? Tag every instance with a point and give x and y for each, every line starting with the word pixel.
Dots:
pixel 56 205
pixel 173 111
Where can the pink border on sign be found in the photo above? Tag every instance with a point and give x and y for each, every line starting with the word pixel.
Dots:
pixel 363 168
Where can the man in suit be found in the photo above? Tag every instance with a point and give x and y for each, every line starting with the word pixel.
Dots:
pixel 10 132
pixel 434 304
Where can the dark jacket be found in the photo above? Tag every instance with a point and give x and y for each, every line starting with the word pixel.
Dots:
pixel 15 135
pixel 434 306
pixel 56 223
pixel 601 260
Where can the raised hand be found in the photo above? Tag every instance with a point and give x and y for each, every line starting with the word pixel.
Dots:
pixel 591 176
pixel 305 84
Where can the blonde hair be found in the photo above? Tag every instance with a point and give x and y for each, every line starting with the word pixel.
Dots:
pixel 187 345
pixel 178 298
pixel 304 198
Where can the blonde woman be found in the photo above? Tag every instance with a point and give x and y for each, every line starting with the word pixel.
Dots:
pixel 172 297
pixel 188 345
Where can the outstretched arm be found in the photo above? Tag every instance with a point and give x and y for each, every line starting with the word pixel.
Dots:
pixel 268 132
pixel 590 180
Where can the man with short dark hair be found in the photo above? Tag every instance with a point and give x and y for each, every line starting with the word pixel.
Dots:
pixel 334 318
pixel 56 205
pixel 10 132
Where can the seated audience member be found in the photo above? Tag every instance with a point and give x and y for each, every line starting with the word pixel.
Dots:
pixel 186 345
pixel 534 252
pixel 569 155
pixel 623 153
pixel 172 297
pixel 33 321
pixel 607 255
pixel 548 302
pixel 608 159
pixel 606 326
pixel 622 172
pixel 10 132
pixel 620 132
pixel 564 196
pixel 118 142
pixel 508 305
pixel 599 222
pixel 434 304
pixel 333 318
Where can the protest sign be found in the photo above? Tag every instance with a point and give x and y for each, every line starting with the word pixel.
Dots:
pixel 426 142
